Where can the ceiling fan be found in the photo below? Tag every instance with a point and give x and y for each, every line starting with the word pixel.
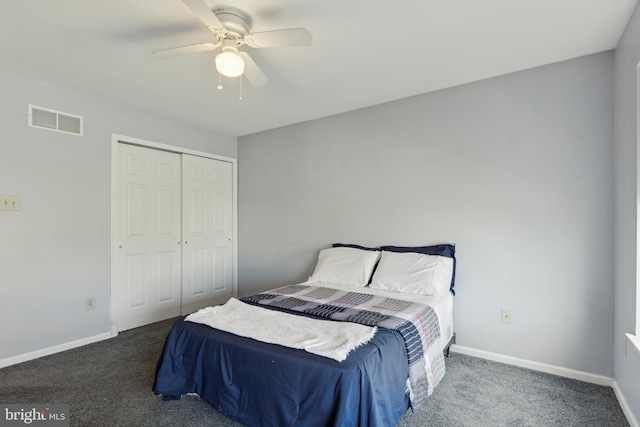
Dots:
pixel 232 29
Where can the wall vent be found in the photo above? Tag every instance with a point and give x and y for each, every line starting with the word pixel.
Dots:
pixel 44 118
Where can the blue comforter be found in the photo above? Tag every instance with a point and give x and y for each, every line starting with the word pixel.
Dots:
pixel 260 384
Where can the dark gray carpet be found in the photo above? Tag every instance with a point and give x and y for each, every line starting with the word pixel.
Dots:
pixel 109 384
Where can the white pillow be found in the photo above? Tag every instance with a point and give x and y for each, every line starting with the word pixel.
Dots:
pixel 345 265
pixel 414 273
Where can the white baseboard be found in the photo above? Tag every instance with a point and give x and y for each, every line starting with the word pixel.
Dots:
pixel 52 350
pixel 536 366
pixel 633 421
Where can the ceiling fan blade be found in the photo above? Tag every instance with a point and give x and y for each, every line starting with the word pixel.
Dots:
pixel 206 15
pixel 185 50
pixel 278 38
pixel 252 72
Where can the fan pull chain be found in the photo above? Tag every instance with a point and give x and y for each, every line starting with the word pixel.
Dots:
pixel 220 87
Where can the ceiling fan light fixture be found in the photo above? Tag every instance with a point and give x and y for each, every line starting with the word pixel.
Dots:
pixel 229 63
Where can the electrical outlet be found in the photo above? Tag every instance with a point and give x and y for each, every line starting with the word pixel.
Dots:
pixel 9 203
pixel 90 303
pixel 506 316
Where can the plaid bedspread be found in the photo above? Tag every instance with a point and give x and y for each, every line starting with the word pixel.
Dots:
pixel 417 323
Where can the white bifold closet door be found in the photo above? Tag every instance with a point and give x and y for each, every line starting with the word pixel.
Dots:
pixel 173 230
pixel 147 255
pixel 206 232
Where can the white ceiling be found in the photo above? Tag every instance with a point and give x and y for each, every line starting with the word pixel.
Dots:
pixel 364 52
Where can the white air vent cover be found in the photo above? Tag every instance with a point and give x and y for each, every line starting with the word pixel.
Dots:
pixel 54 120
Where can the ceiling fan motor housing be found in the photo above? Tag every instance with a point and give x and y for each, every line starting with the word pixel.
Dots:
pixel 236 23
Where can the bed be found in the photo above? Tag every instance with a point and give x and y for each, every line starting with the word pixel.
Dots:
pixel 391 308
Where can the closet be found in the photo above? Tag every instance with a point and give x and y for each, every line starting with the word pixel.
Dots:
pixel 173 234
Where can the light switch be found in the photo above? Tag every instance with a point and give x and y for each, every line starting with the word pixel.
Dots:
pixel 9 203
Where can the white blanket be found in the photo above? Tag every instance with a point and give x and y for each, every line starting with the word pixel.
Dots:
pixel 322 337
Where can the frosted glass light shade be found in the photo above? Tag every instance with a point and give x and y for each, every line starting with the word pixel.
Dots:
pixel 229 64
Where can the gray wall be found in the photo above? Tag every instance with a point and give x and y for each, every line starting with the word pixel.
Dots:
pixel 516 170
pixel 627 56
pixel 56 250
